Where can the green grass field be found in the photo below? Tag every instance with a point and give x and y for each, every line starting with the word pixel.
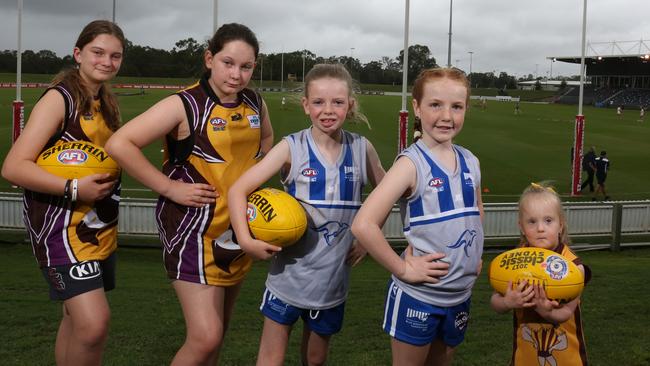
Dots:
pixel 147 325
pixel 513 149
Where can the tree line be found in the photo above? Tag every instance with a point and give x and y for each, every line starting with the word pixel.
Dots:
pixel 185 60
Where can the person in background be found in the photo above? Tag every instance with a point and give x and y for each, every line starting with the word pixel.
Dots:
pixel 602 168
pixel 589 166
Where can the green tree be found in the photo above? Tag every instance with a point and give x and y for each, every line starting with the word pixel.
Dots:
pixel 419 59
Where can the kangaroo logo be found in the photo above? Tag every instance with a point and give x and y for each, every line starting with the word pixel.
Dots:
pixel 465 240
pixel 332 229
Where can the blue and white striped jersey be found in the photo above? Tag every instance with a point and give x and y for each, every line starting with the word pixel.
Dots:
pixel 312 273
pixel 442 215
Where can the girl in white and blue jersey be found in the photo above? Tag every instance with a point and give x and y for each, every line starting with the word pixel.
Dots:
pixel 438 186
pixel 325 168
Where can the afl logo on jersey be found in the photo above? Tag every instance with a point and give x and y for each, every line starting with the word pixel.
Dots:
pixel 436 182
pixel 218 124
pixel 309 172
pixel 72 157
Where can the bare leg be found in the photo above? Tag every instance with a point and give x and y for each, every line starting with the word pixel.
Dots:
pixel 405 354
pixel 440 354
pixel 273 345
pixel 207 311
pixel 83 330
pixel 314 347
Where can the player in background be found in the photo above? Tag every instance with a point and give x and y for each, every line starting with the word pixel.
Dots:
pixel 325 168
pixel 546 332
pixel 438 186
pixel 602 168
pixel 213 131
pixel 72 224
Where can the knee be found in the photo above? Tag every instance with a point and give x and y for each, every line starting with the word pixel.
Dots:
pixel 92 332
pixel 205 343
pixel 316 358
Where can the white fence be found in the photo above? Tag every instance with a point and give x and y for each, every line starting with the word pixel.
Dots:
pixel 612 219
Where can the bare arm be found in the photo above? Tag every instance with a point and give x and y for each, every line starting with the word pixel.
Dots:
pixel 20 166
pixel 125 147
pixel 239 191
pixel 367 228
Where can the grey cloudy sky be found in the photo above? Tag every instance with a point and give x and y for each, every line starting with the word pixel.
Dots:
pixel 514 36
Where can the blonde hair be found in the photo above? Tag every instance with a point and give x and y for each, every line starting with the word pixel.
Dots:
pixel 338 72
pixel 439 73
pixel 544 191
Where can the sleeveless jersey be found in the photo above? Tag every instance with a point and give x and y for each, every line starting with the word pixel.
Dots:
pixel 64 232
pixel 537 338
pixel 224 142
pixel 442 215
pixel 312 274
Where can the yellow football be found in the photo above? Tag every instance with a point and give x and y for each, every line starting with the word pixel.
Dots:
pixel 562 279
pixel 275 217
pixel 77 159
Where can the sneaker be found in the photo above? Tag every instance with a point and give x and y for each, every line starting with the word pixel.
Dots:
pixel 593 198
pixel 606 198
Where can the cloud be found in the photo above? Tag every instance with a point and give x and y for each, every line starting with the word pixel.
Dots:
pixel 506 35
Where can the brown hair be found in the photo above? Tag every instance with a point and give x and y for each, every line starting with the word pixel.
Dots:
pixel 339 72
pixel 438 73
pixel 546 192
pixel 233 32
pixel 72 79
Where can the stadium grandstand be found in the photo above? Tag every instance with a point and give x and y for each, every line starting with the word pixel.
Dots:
pixel 619 75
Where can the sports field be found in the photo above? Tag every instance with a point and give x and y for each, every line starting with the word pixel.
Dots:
pixel 147 324
pixel 513 149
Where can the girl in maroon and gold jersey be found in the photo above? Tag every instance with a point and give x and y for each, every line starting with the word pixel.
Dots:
pixel 546 332
pixel 214 131
pixel 72 223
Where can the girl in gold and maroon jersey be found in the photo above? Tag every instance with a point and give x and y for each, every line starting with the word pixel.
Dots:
pixel 545 331
pixel 72 223
pixel 213 131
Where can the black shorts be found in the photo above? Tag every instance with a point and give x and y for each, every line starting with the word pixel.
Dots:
pixel 601 178
pixel 70 280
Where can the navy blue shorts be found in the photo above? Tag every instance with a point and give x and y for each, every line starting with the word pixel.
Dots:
pixel 412 321
pixel 70 280
pixel 324 322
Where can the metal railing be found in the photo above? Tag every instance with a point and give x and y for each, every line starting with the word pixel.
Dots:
pixel 613 219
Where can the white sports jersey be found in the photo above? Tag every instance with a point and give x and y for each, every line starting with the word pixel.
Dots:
pixel 442 215
pixel 312 273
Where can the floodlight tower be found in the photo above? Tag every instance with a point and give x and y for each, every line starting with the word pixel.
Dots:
pixel 470 67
